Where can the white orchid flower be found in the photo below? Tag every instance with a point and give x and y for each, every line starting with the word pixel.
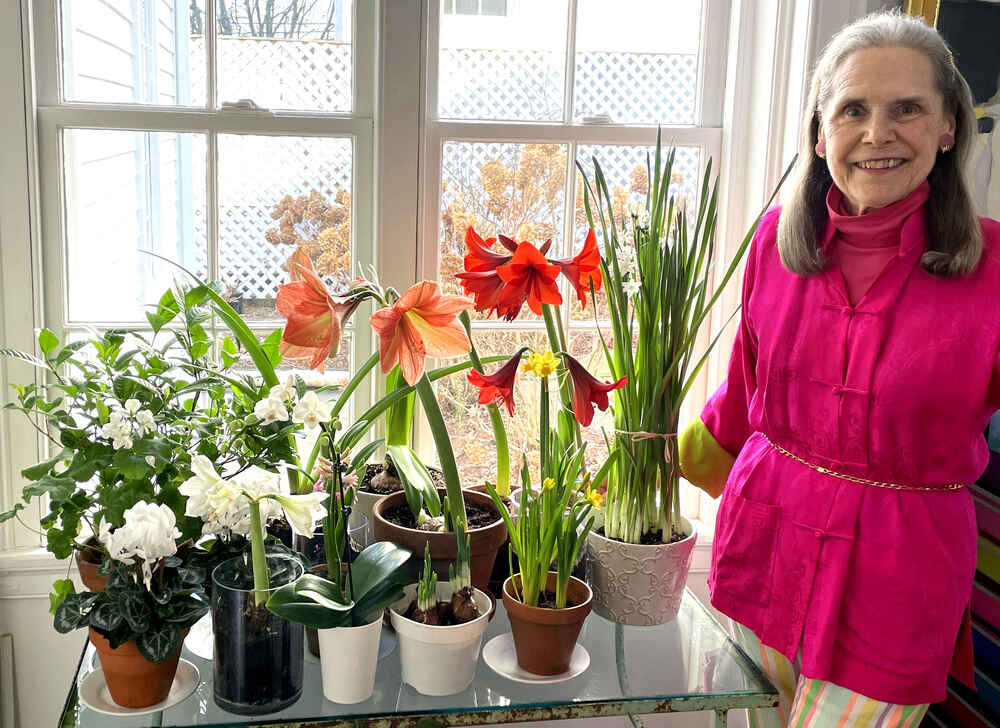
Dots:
pixel 285 392
pixel 302 511
pixel 271 409
pixel 310 411
pixel 132 406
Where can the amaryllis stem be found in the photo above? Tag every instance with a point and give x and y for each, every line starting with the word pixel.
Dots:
pixel 261 581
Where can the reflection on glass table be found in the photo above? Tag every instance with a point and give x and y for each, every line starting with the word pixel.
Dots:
pixel 687 664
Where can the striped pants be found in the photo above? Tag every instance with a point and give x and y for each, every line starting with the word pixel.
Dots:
pixel 808 703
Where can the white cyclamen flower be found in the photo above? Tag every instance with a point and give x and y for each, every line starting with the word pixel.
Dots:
pixel 285 392
pixel 145 422
pixel 150 533
pixel 310 411
pixel 631 287
pixel 270 410
pixel 132 406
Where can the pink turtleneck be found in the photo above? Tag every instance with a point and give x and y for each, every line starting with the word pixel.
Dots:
pixel 863 245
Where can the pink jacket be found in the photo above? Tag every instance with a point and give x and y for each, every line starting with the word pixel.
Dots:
pixel 872 583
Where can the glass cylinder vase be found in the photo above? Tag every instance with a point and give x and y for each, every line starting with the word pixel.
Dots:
pixel 258 655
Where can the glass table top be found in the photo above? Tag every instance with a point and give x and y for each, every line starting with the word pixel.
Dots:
pixel 687 664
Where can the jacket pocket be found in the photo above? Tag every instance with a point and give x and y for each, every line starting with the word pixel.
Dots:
pixel 746 534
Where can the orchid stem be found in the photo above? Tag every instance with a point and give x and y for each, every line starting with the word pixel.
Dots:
pixel 261 582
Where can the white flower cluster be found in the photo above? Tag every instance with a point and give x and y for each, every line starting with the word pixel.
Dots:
pixel 639 214
pixel 149 533
pixel 309 410
pixel 124 423
pixel 224 505
pixel 629 266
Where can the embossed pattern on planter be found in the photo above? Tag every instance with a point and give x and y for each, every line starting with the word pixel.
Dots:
pixel 639 585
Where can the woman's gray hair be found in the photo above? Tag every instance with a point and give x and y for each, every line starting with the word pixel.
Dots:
pixel 955 242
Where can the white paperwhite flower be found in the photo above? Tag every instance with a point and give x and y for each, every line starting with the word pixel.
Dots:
pixel 626 256
pixel 310 411
pixel 271 409
pixel 145 422
pixel 132 406
pixel 631 287
pixel 302 511
pixel 285 392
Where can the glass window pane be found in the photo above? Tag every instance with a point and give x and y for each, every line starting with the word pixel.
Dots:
pixel 494 7
pixel 467 7
pixel 637 60
pixel 286 54
pixel 468 422
pixel 625 169
pixel 277 193
pixel 510 67
pixel 134 51
pixel 336 373
pixel 513 189
pixel 128 192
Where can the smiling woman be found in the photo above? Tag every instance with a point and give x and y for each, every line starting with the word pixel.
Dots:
pixel 845 435
pixel 882 126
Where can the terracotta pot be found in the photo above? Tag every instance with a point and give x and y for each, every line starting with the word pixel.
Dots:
pixel 87 560
pixel 485 542
pixel 134 681
pixel 638 584
pixel 544 638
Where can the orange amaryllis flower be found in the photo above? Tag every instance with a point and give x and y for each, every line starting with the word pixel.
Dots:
pixel 314 318
pixel 499 386
pixel 588 391
pixel 528 277
pixel 422 323
pixel 583 268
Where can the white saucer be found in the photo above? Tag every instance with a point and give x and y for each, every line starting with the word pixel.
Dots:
pixel 499 654
pixel 93 692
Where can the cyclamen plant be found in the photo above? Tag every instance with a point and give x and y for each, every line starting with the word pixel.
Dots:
pixel 151 597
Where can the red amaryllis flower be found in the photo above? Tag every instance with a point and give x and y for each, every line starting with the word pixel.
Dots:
pixel 528 277
pixel 421 323
pixel 480 279
pixel 583 268
pixel 588 391
pixel 499 386
pixel 314 319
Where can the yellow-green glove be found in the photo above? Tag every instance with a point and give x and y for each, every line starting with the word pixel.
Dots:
pixel 703 460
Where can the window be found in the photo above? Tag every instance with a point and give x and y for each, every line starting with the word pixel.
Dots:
pixel 475 7
pixel 513 102
pixel 218 135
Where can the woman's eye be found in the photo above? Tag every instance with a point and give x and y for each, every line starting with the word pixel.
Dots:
pixel 907 109
pixel 853 111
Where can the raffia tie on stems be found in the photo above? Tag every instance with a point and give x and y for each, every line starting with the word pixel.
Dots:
pixel 640 435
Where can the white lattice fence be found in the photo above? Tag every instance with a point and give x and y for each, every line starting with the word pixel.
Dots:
pixel 311 75
pixel 527 85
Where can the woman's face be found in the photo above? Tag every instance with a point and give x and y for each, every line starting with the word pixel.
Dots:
pixel 882 126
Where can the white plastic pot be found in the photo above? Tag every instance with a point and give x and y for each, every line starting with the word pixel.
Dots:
pixel 439 660
pixel 348 657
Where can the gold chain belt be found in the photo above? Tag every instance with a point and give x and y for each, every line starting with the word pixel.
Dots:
pixel 855 478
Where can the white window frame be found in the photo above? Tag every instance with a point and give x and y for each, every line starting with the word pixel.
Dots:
pixel 706 134
pixel 47 261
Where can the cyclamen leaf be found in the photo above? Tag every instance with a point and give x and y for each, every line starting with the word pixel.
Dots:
pixel 74 612
pixel 159 644
pixel 105 616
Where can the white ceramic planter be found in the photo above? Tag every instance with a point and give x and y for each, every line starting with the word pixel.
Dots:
pixel 439 660
pixel 348 657
pixel 636 584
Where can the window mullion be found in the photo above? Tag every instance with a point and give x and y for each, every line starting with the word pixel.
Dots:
pixel 570 75
pixel 211 100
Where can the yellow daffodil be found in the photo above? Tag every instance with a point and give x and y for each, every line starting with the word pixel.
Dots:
pixel 541 365
pixel 594 498
pixel 548 484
